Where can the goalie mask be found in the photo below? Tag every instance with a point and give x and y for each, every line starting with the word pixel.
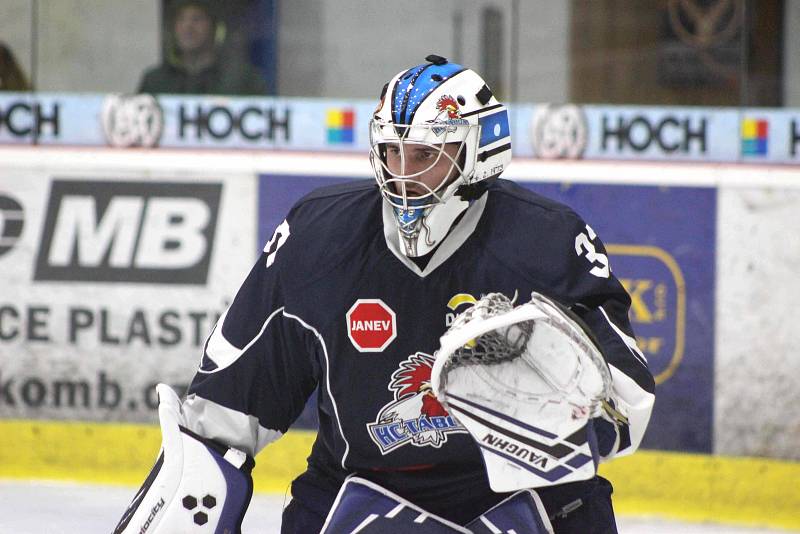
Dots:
pixel 437 135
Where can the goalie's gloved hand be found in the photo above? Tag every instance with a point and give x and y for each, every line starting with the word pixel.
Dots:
pixel 195 485
pixel 526 382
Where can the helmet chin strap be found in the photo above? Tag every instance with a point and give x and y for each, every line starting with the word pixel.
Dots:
pixel 421 230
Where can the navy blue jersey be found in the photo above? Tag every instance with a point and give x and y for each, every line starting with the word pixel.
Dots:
pixel 333 304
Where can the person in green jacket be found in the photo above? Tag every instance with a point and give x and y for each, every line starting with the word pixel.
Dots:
pixel 193 63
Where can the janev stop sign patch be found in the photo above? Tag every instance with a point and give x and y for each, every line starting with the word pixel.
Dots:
pixel 371 325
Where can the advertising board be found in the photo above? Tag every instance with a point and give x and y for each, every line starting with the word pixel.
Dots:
pixel 111 285
pixel 543 131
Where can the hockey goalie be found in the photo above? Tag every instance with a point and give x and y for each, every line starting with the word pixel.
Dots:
pixel 492 422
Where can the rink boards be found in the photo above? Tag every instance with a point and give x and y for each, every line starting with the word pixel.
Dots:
pixel 105 294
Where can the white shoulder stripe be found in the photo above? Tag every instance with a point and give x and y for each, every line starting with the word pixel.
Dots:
pixel 222 352
pixel 327 381
pixel 628 340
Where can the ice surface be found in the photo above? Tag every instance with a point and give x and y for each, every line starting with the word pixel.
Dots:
pixel 62 508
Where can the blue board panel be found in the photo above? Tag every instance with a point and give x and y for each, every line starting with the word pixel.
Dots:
pixel 661 243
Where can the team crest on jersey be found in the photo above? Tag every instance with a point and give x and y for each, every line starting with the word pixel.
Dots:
pixel 415 416
pixel 449 114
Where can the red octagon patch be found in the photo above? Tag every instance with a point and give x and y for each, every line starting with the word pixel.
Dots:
pixel 371 325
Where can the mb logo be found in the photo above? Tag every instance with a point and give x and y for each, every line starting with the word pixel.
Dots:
pixel 146 232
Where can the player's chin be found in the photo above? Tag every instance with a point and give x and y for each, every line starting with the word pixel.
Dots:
pixel 415 193
pixel 411 191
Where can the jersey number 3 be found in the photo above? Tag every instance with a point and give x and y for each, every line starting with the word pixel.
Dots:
pixel 584 245
pixel 278 239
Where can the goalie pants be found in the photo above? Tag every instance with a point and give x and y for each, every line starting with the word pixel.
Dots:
pixel 576 508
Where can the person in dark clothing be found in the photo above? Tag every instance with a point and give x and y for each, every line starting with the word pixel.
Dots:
pixel 11 76
pixel 194 63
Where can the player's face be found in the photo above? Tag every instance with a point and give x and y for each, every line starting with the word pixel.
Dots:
pixel 436 170
pixel 193 29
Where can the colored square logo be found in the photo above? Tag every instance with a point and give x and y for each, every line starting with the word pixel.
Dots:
pixel 339 124
pixel 755 137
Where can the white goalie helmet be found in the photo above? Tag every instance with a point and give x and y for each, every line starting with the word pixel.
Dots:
pixel 437 135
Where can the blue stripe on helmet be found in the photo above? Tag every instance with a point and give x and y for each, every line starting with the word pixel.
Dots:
pixel 413 86
pixel 400 90
pixel 494 127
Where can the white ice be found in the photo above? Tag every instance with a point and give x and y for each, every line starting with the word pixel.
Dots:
pixel 60 508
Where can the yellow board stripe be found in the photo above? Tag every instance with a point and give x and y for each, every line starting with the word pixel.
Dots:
pixel 698 487
pixel 122 454
pixel 692 487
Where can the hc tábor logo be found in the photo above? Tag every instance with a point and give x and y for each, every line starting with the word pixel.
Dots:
pixel 415 416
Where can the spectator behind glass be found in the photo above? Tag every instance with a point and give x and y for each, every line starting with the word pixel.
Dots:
pixel 194 64
pixel 11 76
